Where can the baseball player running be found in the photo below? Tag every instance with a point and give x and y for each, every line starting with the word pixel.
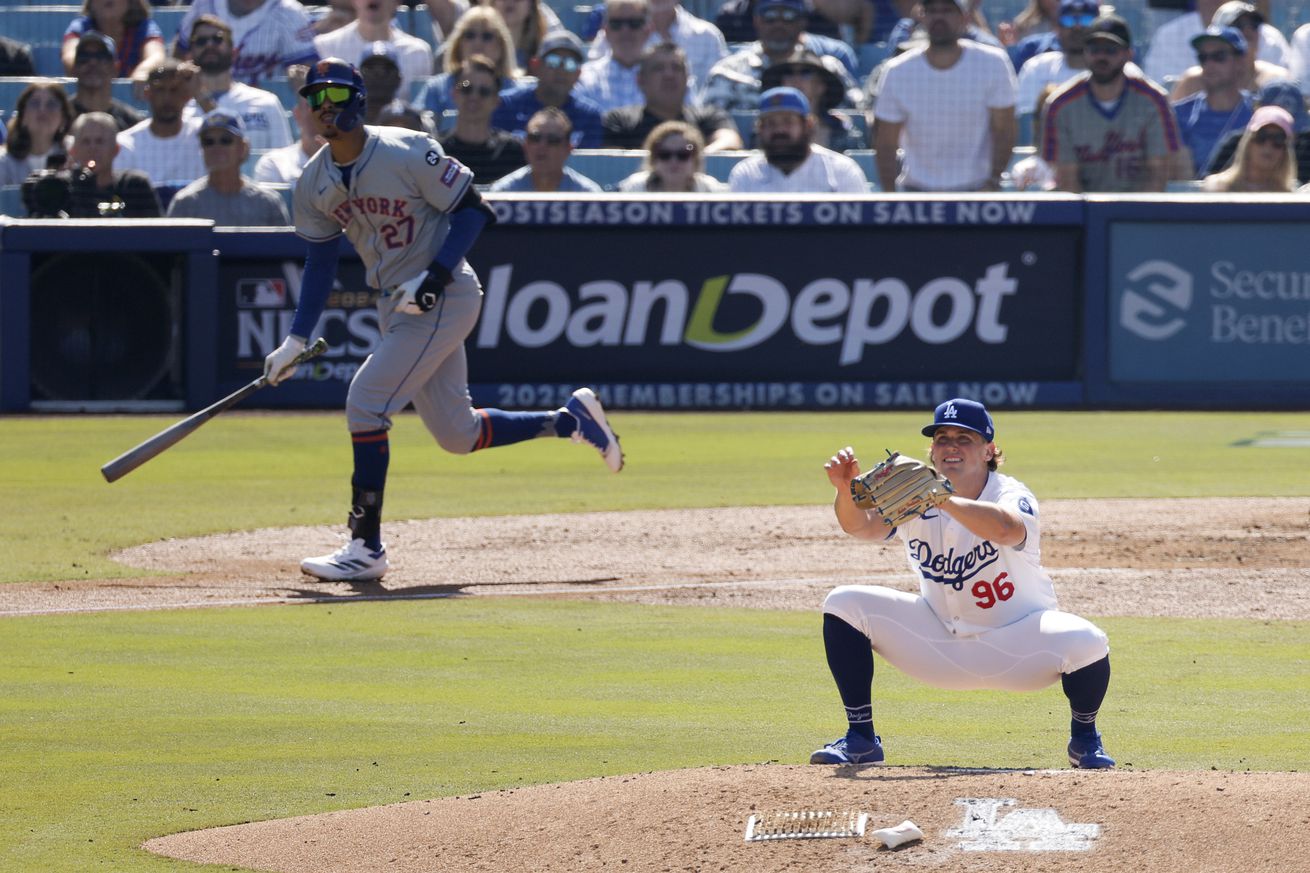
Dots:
pixel 411 213
pixel 985 615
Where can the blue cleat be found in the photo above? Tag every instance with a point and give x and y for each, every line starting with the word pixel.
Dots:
pixel 850 749
pixel 1087 753
pixel 593 428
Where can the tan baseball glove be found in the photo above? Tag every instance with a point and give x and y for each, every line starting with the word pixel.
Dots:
pixel 900 488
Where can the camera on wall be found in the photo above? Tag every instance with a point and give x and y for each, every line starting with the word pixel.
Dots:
pixel 49 193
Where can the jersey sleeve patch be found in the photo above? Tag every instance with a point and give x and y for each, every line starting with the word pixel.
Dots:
pixel 451 173
pixel 432 157
pixel 1025 505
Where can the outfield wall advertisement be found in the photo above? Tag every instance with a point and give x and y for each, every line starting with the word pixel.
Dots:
pixel 1234 310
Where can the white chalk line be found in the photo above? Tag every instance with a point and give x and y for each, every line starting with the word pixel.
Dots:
pixel 442 595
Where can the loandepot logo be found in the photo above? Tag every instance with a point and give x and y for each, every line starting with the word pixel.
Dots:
pixel 825 311
pixel 1153 304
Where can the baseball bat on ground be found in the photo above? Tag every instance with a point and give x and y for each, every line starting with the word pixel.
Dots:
pixel 170 436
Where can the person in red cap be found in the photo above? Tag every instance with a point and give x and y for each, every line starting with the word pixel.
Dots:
pixel 985 617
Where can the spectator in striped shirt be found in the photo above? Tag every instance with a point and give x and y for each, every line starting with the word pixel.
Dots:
pixel 214 88
pixel 611 81
pixel 702 42
pixel 1126 148
pixel 269 35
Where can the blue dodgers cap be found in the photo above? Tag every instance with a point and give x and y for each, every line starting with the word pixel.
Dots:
pixel 784 100
pixel 1080 7
pixel 968 414
pixel 221 120
pixel 380 49
pixel 798 5
pixel 1230 35
pixel 96 36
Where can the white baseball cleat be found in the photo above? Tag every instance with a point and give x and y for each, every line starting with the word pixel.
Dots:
pixel 593 428
pixel 353 562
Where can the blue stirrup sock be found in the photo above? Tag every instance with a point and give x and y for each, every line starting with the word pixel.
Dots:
pixel 850 658
pixel 501 428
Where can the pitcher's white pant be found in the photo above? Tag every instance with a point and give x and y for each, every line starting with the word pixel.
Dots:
pixel 1027 655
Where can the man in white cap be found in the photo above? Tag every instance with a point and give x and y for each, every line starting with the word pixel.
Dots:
pixel 789 162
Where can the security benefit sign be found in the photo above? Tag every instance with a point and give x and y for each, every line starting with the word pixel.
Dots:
pixel 1209 302
pixel 780 305
pixel 257 300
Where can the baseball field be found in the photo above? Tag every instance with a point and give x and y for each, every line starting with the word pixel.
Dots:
pixel 568 670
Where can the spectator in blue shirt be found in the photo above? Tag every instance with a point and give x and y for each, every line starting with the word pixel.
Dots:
pixel 546 145
pixel 1208 117
pixel 557 68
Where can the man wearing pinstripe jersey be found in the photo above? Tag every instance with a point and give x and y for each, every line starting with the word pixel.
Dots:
pixel 1108 130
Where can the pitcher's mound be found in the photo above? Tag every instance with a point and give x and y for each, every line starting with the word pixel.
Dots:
pixel 988 820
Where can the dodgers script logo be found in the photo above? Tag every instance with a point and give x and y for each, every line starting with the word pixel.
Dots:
pixel 1155 312
pixel 949 568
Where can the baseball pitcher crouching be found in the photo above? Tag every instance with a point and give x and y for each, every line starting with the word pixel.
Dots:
pixel 411 213
pixel 985 615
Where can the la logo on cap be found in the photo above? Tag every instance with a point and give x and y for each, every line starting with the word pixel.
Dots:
pixel 950 411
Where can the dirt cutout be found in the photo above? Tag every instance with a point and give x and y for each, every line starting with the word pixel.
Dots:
pixel 1183 558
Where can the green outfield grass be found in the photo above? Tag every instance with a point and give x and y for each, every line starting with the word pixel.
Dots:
pixel 119 727
pixel 126 726
pixel 252 471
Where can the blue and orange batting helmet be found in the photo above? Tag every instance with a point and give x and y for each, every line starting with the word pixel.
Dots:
pixel 334 71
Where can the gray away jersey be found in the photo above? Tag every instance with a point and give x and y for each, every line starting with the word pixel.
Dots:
pixel 396 211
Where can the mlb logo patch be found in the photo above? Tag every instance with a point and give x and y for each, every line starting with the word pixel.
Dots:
pixel 261 293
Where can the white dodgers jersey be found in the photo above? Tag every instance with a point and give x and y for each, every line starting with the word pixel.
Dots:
pixel 971 583
pixel 396 209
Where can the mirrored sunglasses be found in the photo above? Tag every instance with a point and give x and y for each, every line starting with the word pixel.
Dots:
pixel 553 139
pixel 567 63
pixel 468 88
pixel 210 142
pixel 628 23
pixel 337 94
pixel 1081 20
pixel 202 41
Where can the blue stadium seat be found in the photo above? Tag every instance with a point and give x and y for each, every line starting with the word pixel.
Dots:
pixel 606 167
pixel 720 164
pixel 11 201
pixel 865 158
pixel 871 54
pixel 417 22
pixel 169 19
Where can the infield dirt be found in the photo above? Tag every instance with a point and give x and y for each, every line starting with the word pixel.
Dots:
pixel 1232 558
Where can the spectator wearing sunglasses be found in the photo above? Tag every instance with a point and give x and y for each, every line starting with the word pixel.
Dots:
pixel 674 161
pixel 611 81
pixel 662 77
pixel 490 153
pixel 1206 118
pixel 138 41
pixel 734 83
pixel 701 41
pixel 480 31
pixel 1265 161
pixel 214 87
pixel 789 162
pixel 557 69
pixel 373 24
pixel 1287 95
pixel 1255 71
pixel 269 35
pixel 819 79
pixel 1065 59
pixel 1170 53
pixel 223 195
pixel 93 67
pixel 547 147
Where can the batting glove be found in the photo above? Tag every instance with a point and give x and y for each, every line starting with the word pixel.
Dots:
pixel 279 365
pixel 420 294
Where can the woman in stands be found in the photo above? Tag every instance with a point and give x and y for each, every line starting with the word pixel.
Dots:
pixel 139 41
pixel 1264 161
pixel 675 161
pixel 35 137
pixel 480 31
pixel 1039 16
pixel 528 21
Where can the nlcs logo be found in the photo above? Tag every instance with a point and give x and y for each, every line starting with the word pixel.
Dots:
pixel 1155 311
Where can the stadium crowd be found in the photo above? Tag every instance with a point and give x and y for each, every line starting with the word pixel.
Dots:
pixel 199 101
